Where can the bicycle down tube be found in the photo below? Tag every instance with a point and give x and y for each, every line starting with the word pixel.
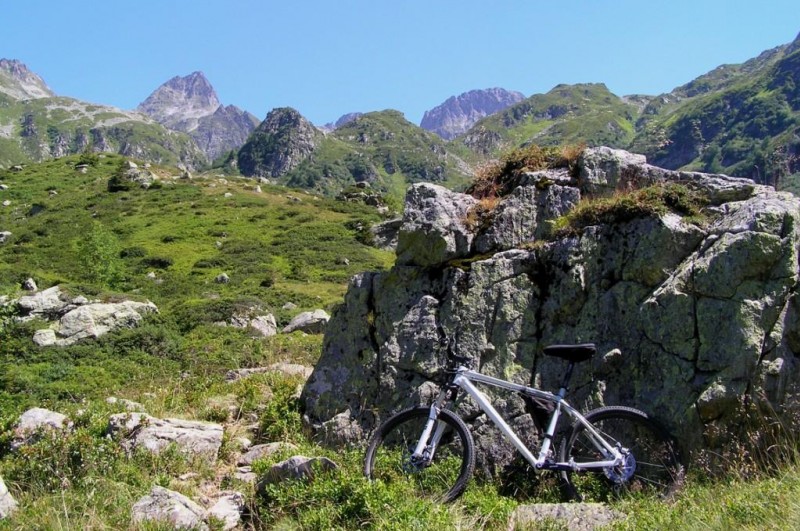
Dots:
pixel 465 377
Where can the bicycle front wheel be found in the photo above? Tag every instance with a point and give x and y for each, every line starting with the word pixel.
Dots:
pixel 445 468
pixel 652 465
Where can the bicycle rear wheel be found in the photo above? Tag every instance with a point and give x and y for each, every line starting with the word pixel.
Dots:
pixel 653 465
pixel 442 477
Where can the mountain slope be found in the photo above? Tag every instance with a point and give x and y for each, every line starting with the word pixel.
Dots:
pixel 744 120
pixel 36 125
pixel 19 83
pixel 587 113
pixel 190 104
pixel 458 113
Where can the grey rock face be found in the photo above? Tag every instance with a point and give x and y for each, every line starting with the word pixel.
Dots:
pixel 169 507
pixel 139 430
pixel 190 104
pixel 308 322
pixel 434 226
pixel 459 113
pixel 181 100
pixel 7 502
pixel 695 318
pixel 385 234
pixel 278 145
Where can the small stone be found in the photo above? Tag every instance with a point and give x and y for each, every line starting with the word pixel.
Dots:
pixel 6 203
pixel 289 306
pixel 222 278
pixel 45 337
pixel 228 195
pixel 151 275
pixel 228 509
pixel 4 236
pixel 262 451
pixel 30 285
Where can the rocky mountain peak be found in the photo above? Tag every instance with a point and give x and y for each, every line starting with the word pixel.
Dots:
pixel 181 101
pixel 17 81
pixel 279 144
pixel 459 113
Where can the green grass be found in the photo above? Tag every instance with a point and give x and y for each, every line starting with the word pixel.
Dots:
pixel 276 250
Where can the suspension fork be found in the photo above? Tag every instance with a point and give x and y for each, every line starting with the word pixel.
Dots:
pixel 433 415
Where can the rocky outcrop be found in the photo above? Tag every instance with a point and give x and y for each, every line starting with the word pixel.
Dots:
pixel 694 318
pixel 278 145
pixel 75 319
pixel 139 430
pixel 459 113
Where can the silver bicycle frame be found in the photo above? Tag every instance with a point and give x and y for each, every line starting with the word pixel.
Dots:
pixel 464 379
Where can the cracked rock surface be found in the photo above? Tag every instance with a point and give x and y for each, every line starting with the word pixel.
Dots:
pixel 698 318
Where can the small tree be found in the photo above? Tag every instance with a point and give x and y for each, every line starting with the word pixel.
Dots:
pixel 98 254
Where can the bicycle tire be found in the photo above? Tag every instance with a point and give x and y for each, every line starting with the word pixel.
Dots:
pixel 655 468
pixel 443 479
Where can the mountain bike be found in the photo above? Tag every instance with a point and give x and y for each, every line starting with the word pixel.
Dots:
pixel 622 448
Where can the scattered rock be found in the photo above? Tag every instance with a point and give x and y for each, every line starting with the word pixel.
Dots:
pixel 35 421
pixel 228 195
pixel 6 203
pixel 138 430
pixel 49 302
pixel 3 187
pixel 7 502
pixel 129 405
pixel 257 189
pixel 245 474
pixel 308 322
pixel 222 278
pixel 228 509
pixel 297 467
pixel 265 325
pixel 261 451
pixel 289 306
pixel 30 285
pixel 167 506
pixel 4 236
pixel 573 516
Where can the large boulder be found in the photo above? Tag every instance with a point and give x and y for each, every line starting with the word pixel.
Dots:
pixel 696 320
pixel 139 430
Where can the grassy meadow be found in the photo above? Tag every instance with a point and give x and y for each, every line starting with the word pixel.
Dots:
pixel 277 246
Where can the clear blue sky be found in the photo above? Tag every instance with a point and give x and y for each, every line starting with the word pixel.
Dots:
pixel 327 58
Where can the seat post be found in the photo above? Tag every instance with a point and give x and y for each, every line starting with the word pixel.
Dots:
pixel 567 377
